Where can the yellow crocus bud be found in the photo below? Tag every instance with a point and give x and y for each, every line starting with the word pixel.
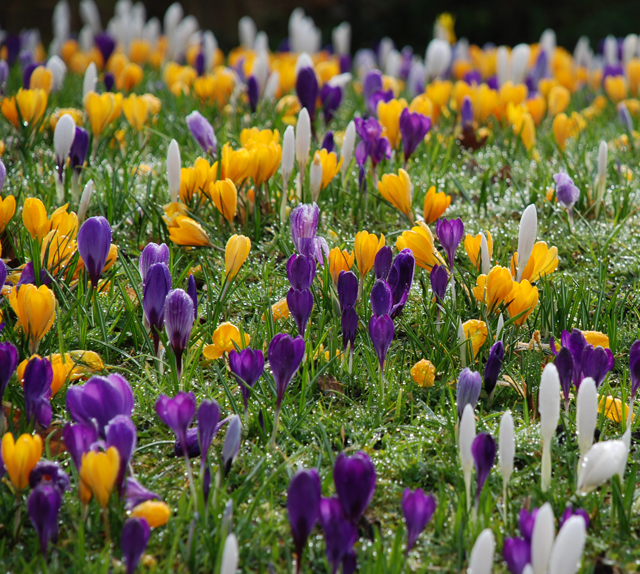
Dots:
pixel 423 105
pixel 279 310
pixel 9 110
pixel 155 512
pixel 524 298
pixel 31 104
pixel 259 136
pixel 235 165
pixel 398 191
pixel 542 261
pixel 139 51
pixel 485 103
pixel 559 98
pixel 136 110
pixel 154 103
pixel 537 106
pixel 99 472
pixel 424 373
pixel 438 92
pixel 522 124
pixel 36 311
pixel 367 246
pixel 224 195
pixel 420 240
pixel 20 457
pixel 339 261
pixel 561 126
pixel 225 338
pixel 633 75
pixel 236 253
pixel 596 339
pixel 616 88
pixel 613 409
pixel 130 77
pixel 330 166
pixel 494 288
pixel 472 246
pixel 389 118
pixel 7 210
pixel 435 204
pixel 475 331
pixel 100 109
pixel 41 78
pixel 188 232
pixel 264 160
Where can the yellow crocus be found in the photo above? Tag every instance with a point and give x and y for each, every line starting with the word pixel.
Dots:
pixel 235 254
pixel 99 472
pixel 20 457
pixel 420 240
pixel 154 103
pixel 56 251
pixel 613 409
pixel 494 288
pixel 522 124
pixel 100 109
pixel 31 104
pixel 435 204
pixel 155 512
pixel 9 110
pixel 485 103
pixel 523 297
pixel 438 93
pixel 616 88
pixel 561 127
pixel 472 246
pixel 64 222
pixel 259 136
pixel 54 118
pixel 559 98
pixel 423 105
pixel 398 191
pixel 42 79
pixel 225 338
pixel 264 160
pixel 537 106
pixel 130 77
pixel 235 165
pixel 633 75
pixel 330 166
pixel 476 332
pixel 35 308
pixel 367 246
pixel 136 110
pixel 7 210
pixel 543 261
pixel 339 261
pixel 389 118
pixel 224 195
pixel 188 232
pixel 596 338
pixel 423 373
pixel 279 310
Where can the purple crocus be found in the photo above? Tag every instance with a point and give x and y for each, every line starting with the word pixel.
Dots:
pixel 109 82
pixel 493 366
pixel 285 356
pixel 517 554
pixel 382 262
pixel 373 144
pixel 247 367
pixel 192 291
pixel 77 440
pixel 208 416
pixel 28 275
pixel 564 365
pixel 303 507
pixel 466 114
pixel 449 232
pixel 377 97
pixel 596 363
pixel 94 242
pixel 468 389
pixel 569 512
pixel 327 142
pixel 372 83
pixel 121 434
pixel 3 168
pixel 8 365
pixel 526 522
pixel 340 534
pixel 157 287
pixel 400 280
pixel 38 376
pixel 414 127
pixel 79 147
pixel 304 226
pixel 381 331
pixel 43 506
pixel 300 272
pixel 417 509
pixel 634 367
pixel 50 473
pixel 152 254
pixel 307 90
pixel 133 542
pixel 347 296
pixel 28 72
pixel 576 343
pixel 330 98
pixel 106 44
pixel 200 63
pixel 3 271
pixel 484 454
pixel 355 481
pixel 300 305
pixel 178 322
pixel 253 93
pixel 439 279
pixel 381 298
pixel 177 413
pixel 202 132
pixel 566 191
pixel 193 445
pixel 231 445
pixel 4 74
pixel 135 493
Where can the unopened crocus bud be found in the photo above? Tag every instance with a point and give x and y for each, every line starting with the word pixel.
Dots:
pixel 549 407
pixel 449 232
pixel 634 367
pixel 413 127
pixel 37 378
pixel 417 509
pixel 99 472
pixel 247 367
pixel 382 262
pixel 586 414
pixel 62 141
pixel 468 389
pixel 157 284
pixel 481 559
pixel 596 363
pixel 43 507
pixel 483 450
pixel 568 547
pixel 94 243
pixel 303 139
pixel 79 147
pixel 288 155
pixel 307 90
pixel 106 44
pixel 625 117
pixel 236 253
pixel 381 331
pixel 466 436
pixel 202 132
pixel 3 174
pixel 439 279
pixel 300 271
pixel 121 434
pixel 90 82
pixel 381 298
pixel 601 177
pixel 564 365
pixel 152 254
pixel 526 238
pixel 174 165
pixel 303 507
pixel 177 413
pixel 492 369
pixel 466 113
pixel 506 447
pixel 178 322
pixel 208 416
pixel 229 563
pixel 330 98
pixel 285 356
pixel 85 199
pixel 348 145
pixel 327 142
pixel 355 481
pixel 542 538
pixel 231 445
pixel 133 542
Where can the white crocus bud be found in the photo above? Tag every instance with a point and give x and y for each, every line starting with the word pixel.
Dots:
pixel 566 554
pixel 520 57
pixel 610 50
pixel 272 87
pixel 85 200
pixel 629 48
pixel 544 533
pixel 438 58
pixel 247 32
pixel 526 237
pixel 341 38
pixel 172 17
pixel 581 52
pixel 548 43
pixel 348 145
pixel 261 43
pixel 503 65
pixel 315 177
pixel 466 435
pixel 549 407
pixel 528 569
pixel 481 559
pixel 174 165
pixel 229 563
pixel 58 70
pixel 499 327
pixel 384 49
pixel 602 461
pixel 286 167
pixel 393 64
pixel 303 140
pixel 90 15
pixel 260 70
pixel 90 80
pixel 506 448
pixel 485 259
pixel 63 138
pixel 61 20
pixel 209 49
pixel 586 414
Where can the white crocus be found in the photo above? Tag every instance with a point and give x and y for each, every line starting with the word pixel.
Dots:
pixel 602 461
pixel 526 237
pixel 528 569
pixel 84 201
pixel 500 327
pixel 286 167
pixel 209 49
pixel 393 64
pixel 90 15
pixel 58 71
pixel 303 145
pixel 172 18
pixel 610 50
pixel 384 49
pixel 174 165
pixel 229 563
pixel 272 86
pixel 340 81
pixel 62 141
pixel 581 53
pixel 438 58
pixel 503 65
pixel 586 415
pixel 481 559
pixel 260 70
pixel 348 145
pixel 629 47
pixel 466 435
pixel 506 450
pixel 566 554
pixel 341 38
pixel 520 56
pixel 549 407
pixel 90 80
pixel 544 532
pixel 247 32
pixel 485 259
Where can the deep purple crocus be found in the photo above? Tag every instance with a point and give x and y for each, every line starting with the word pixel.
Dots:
pixel 373 144
pixel 177 413
pixel 381 298
pixel 564 365
pixel 330 98
pixel 300 305
pixel 285 356
pixel 28 72
pixel 304 226
pixel 493 366
pixel 178 322
pixel 484 454
pixel 43 506
pixel 8 365
pixel 135 493
pixel 28 275
pixel 300 271
pixel 340 534
pixel 51 473
pixel 372 83
pixel 94 242
pixel 569 512
pixel 439 279
pixel 193 445
pixel 400 280
pixel 381 331
pixel 37 377
pixel 247 367
pixel 566 191
pixel 526 522
pixel 157 287
pixel 327 142
pixel 634 367
pixel 468 389
pixel 202 132
pixel 253 93
pixel 106 44
pixel 303 507
pixel 596 363
pixel 78 439
pixel 517 554
pixel 576 343
pixel 109 82
pixel 206 487
pixel 133 542
pixel 192 291
pixel 121 434
pixel 414 127
pixel 382 262
pixel 347 289
pixel 152 254
pixel 355 481
pixel 417 509
pixel 200 63
pixel 231 445
pixel 449 232
pixel 208 416
pixel 466 114
pixel 79 148
pixel 307 90
pixel 377 97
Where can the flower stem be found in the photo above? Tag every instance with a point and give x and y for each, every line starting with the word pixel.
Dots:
pixel 276 420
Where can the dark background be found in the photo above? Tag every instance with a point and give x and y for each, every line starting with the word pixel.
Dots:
pixel 407 22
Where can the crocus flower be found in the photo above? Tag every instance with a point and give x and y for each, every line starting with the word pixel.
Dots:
pixel 566 191
pixel 449 232
pixel 247 367
pixel 36 311
pixel 347 289
pixel 484 454
pixel 99 472
pixel 208 416
pixel 135 494
pixel 285 355
pixel 155 512
pixel 566 554
pixel 20 457
pixel 481 558
pixel 549 407
pixel 152 254
pixel 307 90
pixel 8 364
pixel 634 367
pixel 372 83
pixel 49 473
pixel 586 414
pixel 304 226
pixel 133 542
pixel 381 331
pixel 235 254
pixel 466 113
pixel 300 305
pixel 413 127
pixel 178 322
pixel 596 363
pixel 601 462
pixel 62 141
pixel 468 389
pixel 439 279
pixel 373 144
pixel 192 447
pixel 157 287
pixel 37 391
pixel 330 98
pixel 94 242
pixel 382 262
pixel 400 280
pixel 177 412
pixel 569 512
pixel 121 434
pixel 417 509
pixel 493 366
pixel 340 534
pixel 253 93
pixel 381 298
pixel 355 481
pixel 231 445
pixel 79 147
pixel 106 44
pixel 109 82
pixel 43 506
pixel 303 507
pixel 78 439
pixel 564 365
pixel 517 554
pixel 202 132
pixel 300 272
pixel 506 449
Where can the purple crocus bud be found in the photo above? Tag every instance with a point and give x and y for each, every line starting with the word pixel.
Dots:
pixel 596 363
pixel 377 97
pixel 349 323
pixel 566 191
pixel 439 279
pixel 634 368
pixel 285 355
pixel 8 365
pixel 381 331
pixel 355 481
pixel 372 83
pixel 154 295
pixel 43 506
pixel 78 439
pixel 517 554
pixel 303 507
pixel 247 367
pixel 121 434
pixel 208 419
pixel 94 242
pixel 484 454
pixel 347 289
pixel 109 82
pixel 304 223
pixel 564 365
pixel 38 376
pixel 576 343
pixel 133 542
pixel 381 298
pixel 345 63
pixel 382 262
pixel 152 254
pixel 526 522
pixel 417 509
pixel 100 400
pixel 330 98
pixel 200 63
pixel 414 127
pixel 468 389
pixel 178 322
pixel 28 276
pixel 449 232
pixel 569 512
pixel 300 305
pixel 300 271
pixel 493 366
pixel 625 117
pixel 177 413
pixel 193 446
pixel 135 493
pixel 253 93
pixel 231 445
pixel 339 533
pixel 4 73
pixel 401 280
pixel 51 473
pixel 202 132
pixel 307 90
pixel 327 143
pixel 106 44
pixel 3 170
pixel 466 113
pixel 79 147
pixel 28 72
pixel 192 291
